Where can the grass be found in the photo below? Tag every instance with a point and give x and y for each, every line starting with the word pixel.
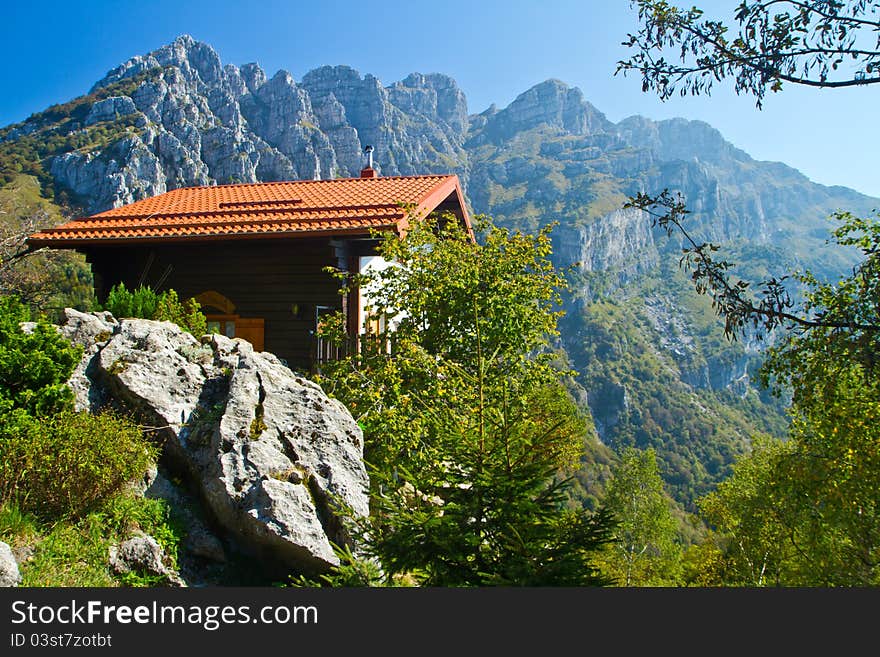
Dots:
pixel 65 553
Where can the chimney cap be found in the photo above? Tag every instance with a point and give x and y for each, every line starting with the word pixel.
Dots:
pixel 368 171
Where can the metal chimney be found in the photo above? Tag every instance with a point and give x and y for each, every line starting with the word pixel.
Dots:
pixel 368 171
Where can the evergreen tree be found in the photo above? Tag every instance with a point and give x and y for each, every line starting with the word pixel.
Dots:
pixel 468 427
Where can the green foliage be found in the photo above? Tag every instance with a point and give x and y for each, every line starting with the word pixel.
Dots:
pixel 187 314
pixel 145 303
pixel 802 514
pixel 802 42
pixel 467 425
pixel 805 513
pixel 141 302
pixel 353 570
pixel 840 320
pixel 639 398
pixel 459 298
pixel 65 464
pixel 55 462
pixel 645 551
pixel 15 524
pixel 47 280
pixel 68 554
pixel 126 514
pixel 34 367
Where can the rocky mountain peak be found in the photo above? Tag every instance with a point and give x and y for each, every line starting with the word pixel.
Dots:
pixel 195 59
pixel 254 77
pixel 184 118
pixel 552 103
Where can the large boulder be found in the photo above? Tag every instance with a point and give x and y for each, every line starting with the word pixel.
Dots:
pixel 9 573
pixel 278 464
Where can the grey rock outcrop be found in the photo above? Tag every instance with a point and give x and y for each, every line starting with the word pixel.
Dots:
pixel 200 540
pixel 142 554
pixel 551 103
pixel 621 242
pixel 110 109
pixel 277 463
pixel 9 573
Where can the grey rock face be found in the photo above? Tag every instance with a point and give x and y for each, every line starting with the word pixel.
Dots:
pixel 551 103
pixel 199 540
pixel 91 331
pixel 415 126
pixel 609 404
pixel 621 241
pixel 110 109
pixel 9 573
pixel 275 460
pixel 280 112
pixel 126 171
pixel 200 123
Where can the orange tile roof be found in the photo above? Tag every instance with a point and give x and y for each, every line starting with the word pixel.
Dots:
pixel 277 209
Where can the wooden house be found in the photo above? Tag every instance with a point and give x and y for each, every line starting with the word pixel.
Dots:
pixel 254 255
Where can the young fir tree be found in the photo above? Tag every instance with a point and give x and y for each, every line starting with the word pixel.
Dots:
pixel 468 426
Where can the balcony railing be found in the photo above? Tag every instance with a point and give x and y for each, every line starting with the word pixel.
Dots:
pixel 325 351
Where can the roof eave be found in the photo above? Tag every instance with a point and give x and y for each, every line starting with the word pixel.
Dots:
pixel 74 243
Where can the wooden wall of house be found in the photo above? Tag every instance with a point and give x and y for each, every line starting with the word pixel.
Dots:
pixel 264 279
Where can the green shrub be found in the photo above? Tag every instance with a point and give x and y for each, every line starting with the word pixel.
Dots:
pixel 123 515
pixel 187 315
pixel 66 464
pixel 34 367
pixel 145 303
pixel 140 302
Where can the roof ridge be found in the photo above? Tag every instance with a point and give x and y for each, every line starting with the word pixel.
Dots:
pixel 321 180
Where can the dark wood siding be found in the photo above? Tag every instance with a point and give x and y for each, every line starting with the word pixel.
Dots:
pixel 264 279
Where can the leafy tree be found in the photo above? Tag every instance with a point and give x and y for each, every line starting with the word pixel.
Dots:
pixel 751 536
pixel 645 551
pixel 805 513
pixel 44 279
pixel 468 427
pixel 815 43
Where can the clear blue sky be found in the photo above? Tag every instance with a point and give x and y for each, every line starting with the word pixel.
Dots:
pixel 495 50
